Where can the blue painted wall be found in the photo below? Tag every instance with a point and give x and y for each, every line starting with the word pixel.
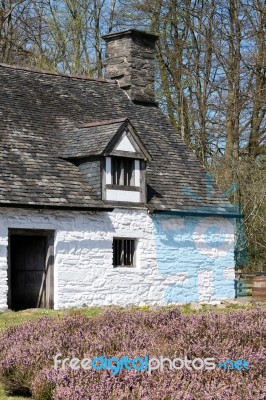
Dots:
pixel 200 247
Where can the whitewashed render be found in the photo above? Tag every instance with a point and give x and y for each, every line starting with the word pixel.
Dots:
pixel 179 259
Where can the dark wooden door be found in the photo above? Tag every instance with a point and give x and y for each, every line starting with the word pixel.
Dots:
pixel 28 271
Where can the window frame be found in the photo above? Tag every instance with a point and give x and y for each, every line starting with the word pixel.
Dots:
pixel 108 189
pixel 122 255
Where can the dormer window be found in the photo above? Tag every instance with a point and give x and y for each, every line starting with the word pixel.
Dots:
pixel 122 179
pixel 123 171
pixel 113 159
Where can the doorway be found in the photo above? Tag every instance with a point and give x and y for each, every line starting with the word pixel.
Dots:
pixel 31 269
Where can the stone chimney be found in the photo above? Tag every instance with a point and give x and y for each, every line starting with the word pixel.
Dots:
pixel 130 59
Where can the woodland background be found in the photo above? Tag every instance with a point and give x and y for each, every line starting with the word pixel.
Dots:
pixel 211 78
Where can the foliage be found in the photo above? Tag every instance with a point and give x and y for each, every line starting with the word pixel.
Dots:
pixel 27 353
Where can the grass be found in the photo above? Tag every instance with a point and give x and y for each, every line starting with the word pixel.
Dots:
pixel 12 318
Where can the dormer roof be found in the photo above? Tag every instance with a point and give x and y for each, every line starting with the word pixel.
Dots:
pixel 115 137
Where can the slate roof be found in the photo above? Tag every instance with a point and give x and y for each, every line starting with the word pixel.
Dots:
pixel 90 140
pixel 39 110
pixel 96 138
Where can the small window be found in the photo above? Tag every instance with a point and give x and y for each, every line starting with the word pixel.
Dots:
pixel 124 252
pixel 122 171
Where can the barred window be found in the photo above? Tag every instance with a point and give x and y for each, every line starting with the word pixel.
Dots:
pixel 124 252
pixel 122 171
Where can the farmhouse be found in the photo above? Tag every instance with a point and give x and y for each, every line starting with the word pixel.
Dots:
pixel 101 202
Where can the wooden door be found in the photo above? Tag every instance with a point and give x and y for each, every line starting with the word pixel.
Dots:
pixel 30 272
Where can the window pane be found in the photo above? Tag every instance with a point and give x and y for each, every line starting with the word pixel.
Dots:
pixel 114 169
pixel 128 171
pixel 114 251
pixel 119 172
pixel 121 253
pixel 125 252
pixel 132 252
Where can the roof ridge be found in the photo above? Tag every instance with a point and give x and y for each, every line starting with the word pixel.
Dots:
pixel 46 72
pixel 103 122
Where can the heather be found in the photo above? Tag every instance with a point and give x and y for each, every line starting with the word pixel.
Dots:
pixel 27 351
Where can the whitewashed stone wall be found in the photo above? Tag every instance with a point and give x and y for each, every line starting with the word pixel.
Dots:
pixel 84 274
